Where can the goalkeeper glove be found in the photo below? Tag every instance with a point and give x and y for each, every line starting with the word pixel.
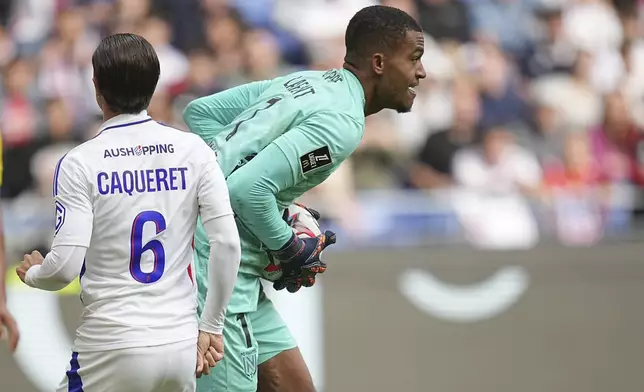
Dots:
pixel 300 261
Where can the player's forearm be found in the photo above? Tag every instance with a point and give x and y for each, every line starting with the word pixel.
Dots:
pixel 60 267
pixel 252 196
pixel 3 267
pixel 207 116
pixel 225 255
pixel 3 290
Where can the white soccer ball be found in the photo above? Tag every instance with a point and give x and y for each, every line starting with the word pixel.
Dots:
pixel 304 225
pixel 302 222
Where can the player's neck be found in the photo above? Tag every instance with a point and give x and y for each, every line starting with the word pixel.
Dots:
pixel 109 114
pixel 370 106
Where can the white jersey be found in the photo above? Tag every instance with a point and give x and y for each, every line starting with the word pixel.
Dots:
pixel 132 195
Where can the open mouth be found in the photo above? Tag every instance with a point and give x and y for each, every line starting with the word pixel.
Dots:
pixel 411 90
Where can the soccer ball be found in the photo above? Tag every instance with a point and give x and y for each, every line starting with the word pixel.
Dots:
pixel 302 221
pixel 304 225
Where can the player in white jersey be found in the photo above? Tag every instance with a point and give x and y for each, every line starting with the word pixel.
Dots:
pixel 127 203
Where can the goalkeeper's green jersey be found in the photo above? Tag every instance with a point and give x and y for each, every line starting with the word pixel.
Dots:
pixel 274 141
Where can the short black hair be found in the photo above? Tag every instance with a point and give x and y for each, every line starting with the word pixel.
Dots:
pixel 377 28
pixel 126 70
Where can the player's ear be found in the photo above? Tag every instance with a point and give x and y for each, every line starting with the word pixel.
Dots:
pixel 378 63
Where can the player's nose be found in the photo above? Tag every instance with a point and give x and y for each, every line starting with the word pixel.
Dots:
pixel 420 71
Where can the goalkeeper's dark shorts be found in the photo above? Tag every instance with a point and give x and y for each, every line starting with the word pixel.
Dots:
pixel 249 340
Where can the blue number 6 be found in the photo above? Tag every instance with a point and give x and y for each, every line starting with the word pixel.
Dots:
pixel 137 248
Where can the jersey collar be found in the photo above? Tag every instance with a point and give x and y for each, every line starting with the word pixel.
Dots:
pixel 125 120
pixel 355 86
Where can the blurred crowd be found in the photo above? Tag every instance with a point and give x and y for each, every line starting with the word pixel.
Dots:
pixel 524 99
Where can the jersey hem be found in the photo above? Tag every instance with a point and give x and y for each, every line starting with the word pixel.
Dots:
pixel 80 347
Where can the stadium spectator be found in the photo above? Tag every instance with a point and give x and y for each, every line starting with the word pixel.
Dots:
pixel 434 165
pixel 525 75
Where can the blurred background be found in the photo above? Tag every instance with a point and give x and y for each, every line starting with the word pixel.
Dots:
pixel 526 141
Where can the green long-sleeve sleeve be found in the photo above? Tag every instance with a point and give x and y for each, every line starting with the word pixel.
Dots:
pixel 208 116
pixel 293 163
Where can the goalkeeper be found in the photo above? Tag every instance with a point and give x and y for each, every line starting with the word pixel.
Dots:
pixel 276 140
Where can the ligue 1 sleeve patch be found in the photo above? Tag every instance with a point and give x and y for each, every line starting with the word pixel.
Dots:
pixel 315 159
pixel 60 216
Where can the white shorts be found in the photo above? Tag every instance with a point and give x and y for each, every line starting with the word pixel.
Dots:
pixel 166 368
